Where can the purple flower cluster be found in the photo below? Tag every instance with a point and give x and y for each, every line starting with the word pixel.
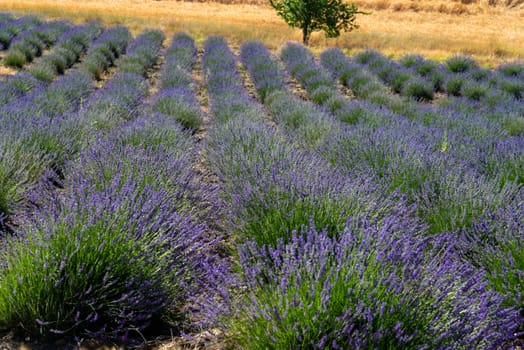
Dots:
pixel 367 288
pixel 106 262
pixel 495 242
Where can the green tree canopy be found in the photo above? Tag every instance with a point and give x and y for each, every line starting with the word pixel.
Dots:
pixel 330 16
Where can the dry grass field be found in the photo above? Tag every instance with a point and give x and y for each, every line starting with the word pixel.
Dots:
pixel 436 29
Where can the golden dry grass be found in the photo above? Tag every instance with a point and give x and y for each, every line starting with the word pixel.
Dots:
pixel 435 29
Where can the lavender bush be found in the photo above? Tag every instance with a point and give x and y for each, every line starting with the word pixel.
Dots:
pixel 417 89
pixel 180 58
pixel 513 86
pixel 179 103
pixel 20 169
pixel 369 288
pixel 39 137
pixel 142 53
pixel 90 264
pixel 105 50
pixel 309 125
pixel 271 190
pixel 512 69
pixel 498 248
pixel 118 100
pixel 460 64
pixel 14 87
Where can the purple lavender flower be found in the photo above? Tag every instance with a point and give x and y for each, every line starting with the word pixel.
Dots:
pixel 367 288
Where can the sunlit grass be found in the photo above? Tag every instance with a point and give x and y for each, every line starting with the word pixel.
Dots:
pixel 396 28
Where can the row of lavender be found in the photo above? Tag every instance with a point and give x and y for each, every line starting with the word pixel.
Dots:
pixel 103 215
pixel 331 258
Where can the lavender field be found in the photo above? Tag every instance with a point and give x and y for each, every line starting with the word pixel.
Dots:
pixel 154 186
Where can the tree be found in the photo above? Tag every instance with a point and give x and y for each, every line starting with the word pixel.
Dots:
pixel 330 16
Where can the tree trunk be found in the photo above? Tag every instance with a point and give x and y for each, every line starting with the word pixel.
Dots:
pixel 305 34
